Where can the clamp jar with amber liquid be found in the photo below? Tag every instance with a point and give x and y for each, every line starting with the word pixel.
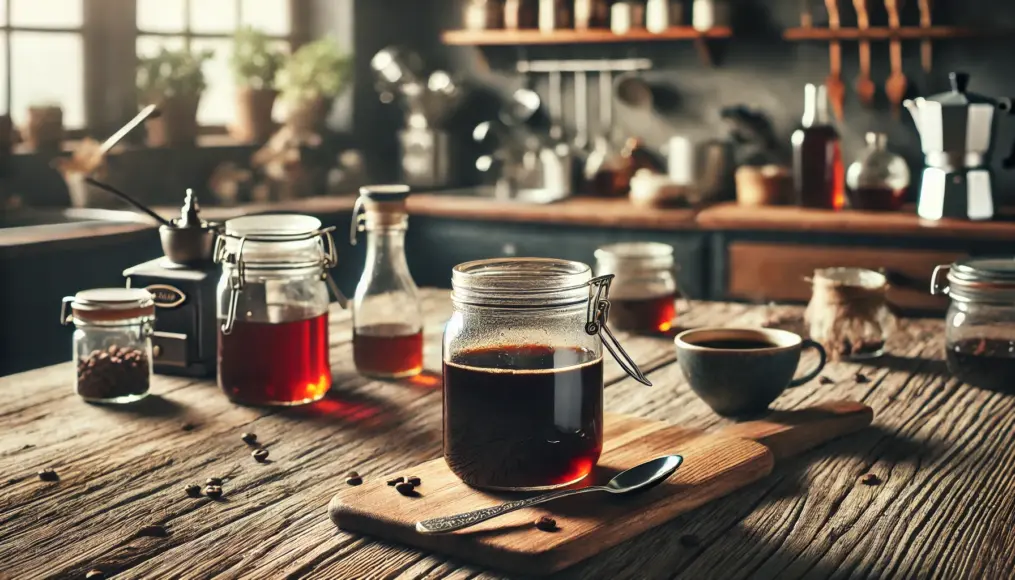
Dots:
pixel 273 309
pixel 644 293
pixel 523 372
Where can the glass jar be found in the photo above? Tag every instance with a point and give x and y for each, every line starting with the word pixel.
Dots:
pixel 644 292
pixel 523 372
pixel 112 343
pixel 878 180
pixel 273 309
pixel 387 318
pixel 980 323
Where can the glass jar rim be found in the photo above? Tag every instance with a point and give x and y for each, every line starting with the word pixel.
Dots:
pixel 637 250
pixel 634 257
pixel 521 282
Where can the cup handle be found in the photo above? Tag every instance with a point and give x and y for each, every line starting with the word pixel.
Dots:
pixel 808 343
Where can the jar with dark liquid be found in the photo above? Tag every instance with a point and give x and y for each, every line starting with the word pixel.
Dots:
pixel 878 180
pixel 980 324
pixel 387 319
pixel 273 309
pixel 818 174
pixel 523 372
pixel 643 297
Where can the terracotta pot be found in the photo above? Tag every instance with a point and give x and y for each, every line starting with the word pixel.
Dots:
pixel 253 115
pixel 44 130
pixel 308 115
pixel 177 125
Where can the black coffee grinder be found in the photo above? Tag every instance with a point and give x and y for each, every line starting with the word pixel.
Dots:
pixel 183 283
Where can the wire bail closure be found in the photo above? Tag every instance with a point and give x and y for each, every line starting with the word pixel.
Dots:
pixel 237 278
pixel 595 323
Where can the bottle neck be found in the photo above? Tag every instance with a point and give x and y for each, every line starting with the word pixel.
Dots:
pixel 816 106
pixel 386 249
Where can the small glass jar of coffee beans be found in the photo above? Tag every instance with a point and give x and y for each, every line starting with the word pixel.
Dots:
pixel 112 343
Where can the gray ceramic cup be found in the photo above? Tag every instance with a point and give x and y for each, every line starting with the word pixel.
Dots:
pixel 740 371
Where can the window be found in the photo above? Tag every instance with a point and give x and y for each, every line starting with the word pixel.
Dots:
pixel 42 35
pixel 209 24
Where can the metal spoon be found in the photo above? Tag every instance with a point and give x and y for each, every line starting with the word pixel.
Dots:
pixel 638 478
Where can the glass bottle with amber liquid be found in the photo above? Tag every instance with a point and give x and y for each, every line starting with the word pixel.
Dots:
pixel 387 319
pixel 818 172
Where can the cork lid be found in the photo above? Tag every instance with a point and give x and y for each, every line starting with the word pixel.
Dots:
pixel 384 198
pixel 111 304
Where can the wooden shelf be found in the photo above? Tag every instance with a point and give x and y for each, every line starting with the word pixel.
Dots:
pixel 599 36
pixel 884 33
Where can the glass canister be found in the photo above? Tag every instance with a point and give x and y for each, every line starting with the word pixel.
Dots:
pixel 273 309
pixel 878 180
pixel 644 292
pixel 112 343
pixel 523 372
pixel 980 323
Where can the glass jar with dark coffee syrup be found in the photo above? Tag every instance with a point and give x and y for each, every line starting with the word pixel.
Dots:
pixel 643 297
pixel 523 372
pixel 273 309
pixel 387 318
pixel 980 324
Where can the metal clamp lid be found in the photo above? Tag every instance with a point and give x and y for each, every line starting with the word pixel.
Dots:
pixel 984 279
pixel 595 323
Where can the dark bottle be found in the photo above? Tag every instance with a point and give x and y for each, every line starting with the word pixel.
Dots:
pixel 818 173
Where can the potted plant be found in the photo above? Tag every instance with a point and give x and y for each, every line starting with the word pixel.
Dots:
pixel 254 63
pixel 173 81
pixel 312 77
pixel 44 128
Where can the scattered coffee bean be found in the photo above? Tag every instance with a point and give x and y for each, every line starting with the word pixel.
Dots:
pixel 249 438
pixel 825 380
pixel 353 474
pixel 154 531
pixel 546 523
pixel 193 490
pixel 354 480
pixel 117 371
pixel 260 455
pixel 187 427
pixel 689 541
pixel 213 481
pixel 213 491
pixel 870 479
pixel 396 481
pixel 861 378
pixel 49 475
pixel 405 488
pixel 95 575
pixel 415 481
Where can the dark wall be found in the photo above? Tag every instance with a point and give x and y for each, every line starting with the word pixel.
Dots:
pixel 756 68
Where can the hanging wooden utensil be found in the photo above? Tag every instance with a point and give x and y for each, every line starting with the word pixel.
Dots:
pixel 864 85
pixel 926 48
pixel 836 89
pixel 806 17
pixel 895 86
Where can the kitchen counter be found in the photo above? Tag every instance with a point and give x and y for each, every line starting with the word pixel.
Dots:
pixel 942 501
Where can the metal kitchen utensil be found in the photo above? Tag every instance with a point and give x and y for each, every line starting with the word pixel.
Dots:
pixel 148 112
pixel 555 105
pixel 581 111
pixel 638 478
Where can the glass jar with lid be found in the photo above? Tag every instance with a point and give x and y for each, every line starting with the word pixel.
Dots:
pixel 879 179
pixel 112 343
pixel 523 372
pixel 273 309
pixel 644 292
pixel 980 323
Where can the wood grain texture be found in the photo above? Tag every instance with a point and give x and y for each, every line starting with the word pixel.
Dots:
pixel 941 449
pixel 714 466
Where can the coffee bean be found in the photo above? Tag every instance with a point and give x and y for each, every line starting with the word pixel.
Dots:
pixel 213 481
pixel 213 491
pixel 187 427
pixel 353 474
pixel 861 378
pixel 825 380
pixel 689 541
pixel 49 475
pixel 546 523
pixel 261 455
pixel 154 531
pixel 95 575
pixel 870 479
pixel 405 488
pixel 396 481
pixel 415 481
pixel 193 490
pixel 354 480
pixel 249 438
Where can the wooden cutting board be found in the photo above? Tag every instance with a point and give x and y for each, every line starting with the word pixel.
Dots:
pixel 715 464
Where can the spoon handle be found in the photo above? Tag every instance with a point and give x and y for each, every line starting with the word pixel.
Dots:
pixel 456 522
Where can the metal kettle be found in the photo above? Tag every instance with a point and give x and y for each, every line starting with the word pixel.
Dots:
pixel 957 128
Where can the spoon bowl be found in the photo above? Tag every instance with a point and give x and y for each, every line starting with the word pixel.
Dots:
pixel 644 476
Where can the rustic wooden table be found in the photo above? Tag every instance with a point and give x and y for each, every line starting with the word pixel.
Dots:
pixel 944 507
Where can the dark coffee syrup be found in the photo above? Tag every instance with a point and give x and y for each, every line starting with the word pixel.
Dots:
pixel 388 350
pixel 648 315
pixel 523 416
pixel 260 363
pixel 736 344
pixel 985 363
